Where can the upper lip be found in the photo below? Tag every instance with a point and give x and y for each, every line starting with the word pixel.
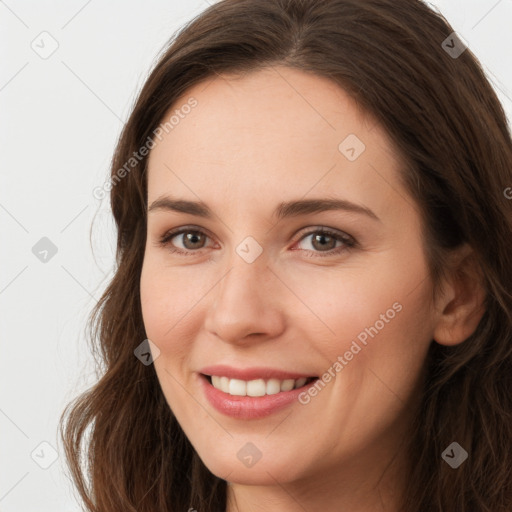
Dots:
pixel 251 373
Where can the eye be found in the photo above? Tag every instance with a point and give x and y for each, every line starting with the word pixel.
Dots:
pixel 327 241
pixel 190 239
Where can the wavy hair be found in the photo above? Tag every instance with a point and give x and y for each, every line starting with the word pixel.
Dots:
pixel 125 450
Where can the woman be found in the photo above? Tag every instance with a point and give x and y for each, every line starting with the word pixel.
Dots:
pixel 311 308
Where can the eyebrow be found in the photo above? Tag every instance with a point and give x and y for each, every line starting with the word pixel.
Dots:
pixel 283 210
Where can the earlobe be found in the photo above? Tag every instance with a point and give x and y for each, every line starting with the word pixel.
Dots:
pixel 462 305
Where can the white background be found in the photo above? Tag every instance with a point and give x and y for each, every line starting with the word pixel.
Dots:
pixel 60 119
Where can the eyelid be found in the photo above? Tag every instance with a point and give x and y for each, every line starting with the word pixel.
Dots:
pixel 309 230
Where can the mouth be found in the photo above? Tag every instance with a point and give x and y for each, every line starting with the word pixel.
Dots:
pixel 256 387
pixel 252 393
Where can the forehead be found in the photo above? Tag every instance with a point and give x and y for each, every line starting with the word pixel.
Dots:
pixel 269 132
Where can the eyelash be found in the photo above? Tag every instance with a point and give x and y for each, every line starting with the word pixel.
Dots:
pixel 348 241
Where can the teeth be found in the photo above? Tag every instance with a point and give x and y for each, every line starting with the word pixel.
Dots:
pixel 300 382
pixel 257 387
pixel 224 384
pixel 273 386
pixel 237 387
pixel 287 385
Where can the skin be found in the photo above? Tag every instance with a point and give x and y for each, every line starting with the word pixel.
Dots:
pixel 253 141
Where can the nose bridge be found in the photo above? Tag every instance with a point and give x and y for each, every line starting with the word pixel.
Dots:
pixel 242 288
pixel 241 303
pixel 248 271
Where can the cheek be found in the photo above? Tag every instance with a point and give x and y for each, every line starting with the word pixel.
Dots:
pixel 354 303
pixel 379 322
pixel 166 303
pixel 168 297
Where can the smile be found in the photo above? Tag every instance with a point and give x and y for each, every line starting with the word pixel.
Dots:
pixel 251 393
pixel 256 387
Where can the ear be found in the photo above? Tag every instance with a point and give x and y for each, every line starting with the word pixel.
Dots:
pixel 460 305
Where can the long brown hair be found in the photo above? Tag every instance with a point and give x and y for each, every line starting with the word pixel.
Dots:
pixel 124 447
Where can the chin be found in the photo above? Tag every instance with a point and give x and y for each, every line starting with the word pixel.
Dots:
pixel 262 472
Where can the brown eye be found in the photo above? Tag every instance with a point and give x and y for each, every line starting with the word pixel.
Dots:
pixel 321 241
pixel 192 240
pixel 327 242
pixel 184 241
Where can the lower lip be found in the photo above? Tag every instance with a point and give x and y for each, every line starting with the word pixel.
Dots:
pixel 248 407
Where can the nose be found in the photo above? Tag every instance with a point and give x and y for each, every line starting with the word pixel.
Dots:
pixel 245 304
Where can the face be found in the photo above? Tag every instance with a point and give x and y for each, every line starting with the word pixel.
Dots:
pixel 291 306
